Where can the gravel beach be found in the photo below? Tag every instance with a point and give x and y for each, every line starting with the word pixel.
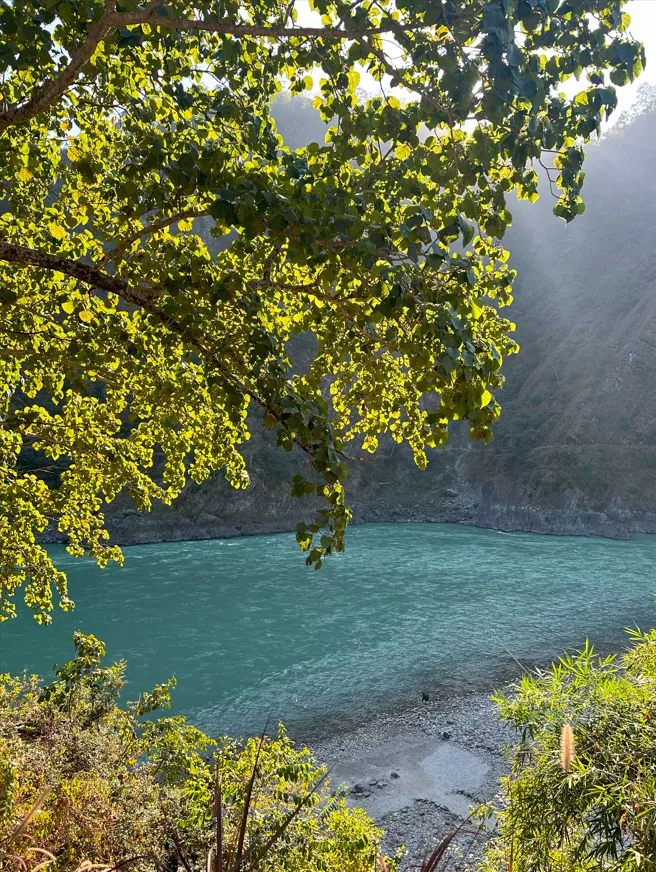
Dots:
pixel 418 773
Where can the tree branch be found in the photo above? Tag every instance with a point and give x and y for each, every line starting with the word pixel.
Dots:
pixel 95 277
pixel 280 31
pixel 152 228
pixel 110 19
pixel 98 279
pixel 91 275
pixel 19 114
pixel 391 70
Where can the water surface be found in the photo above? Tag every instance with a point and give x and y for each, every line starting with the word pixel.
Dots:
pixel 249 631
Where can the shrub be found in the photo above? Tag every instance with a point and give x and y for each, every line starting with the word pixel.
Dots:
pixel 84 780
pixel 593 805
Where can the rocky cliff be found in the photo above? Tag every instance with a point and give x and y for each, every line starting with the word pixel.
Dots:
pixel 574 452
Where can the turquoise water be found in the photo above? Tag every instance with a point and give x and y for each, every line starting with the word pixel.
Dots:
pixel 250 632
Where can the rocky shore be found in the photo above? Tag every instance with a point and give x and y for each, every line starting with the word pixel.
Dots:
pixel 203 513
pixel 419 773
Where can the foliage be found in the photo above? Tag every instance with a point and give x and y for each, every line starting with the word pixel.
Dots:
pixel 601 813
pixel 122 123
pixel 107 785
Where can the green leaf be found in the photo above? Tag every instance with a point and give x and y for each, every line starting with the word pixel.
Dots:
pixel 128 38
pixel 514 55
pixel 468 229
pixel 353 79
pixel 222 210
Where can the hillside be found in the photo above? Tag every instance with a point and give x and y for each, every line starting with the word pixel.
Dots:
pixel 574 451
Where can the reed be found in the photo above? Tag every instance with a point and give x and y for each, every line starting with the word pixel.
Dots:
pixel 567 748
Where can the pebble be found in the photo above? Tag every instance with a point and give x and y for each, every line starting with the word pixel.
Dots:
pixel 469 721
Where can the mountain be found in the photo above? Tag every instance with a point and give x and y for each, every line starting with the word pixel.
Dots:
pixel 574 451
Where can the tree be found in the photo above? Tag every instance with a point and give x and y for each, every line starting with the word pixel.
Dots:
pixel 122 123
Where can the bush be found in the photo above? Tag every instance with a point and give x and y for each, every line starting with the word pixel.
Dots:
pixel 84 780
pixel 597 808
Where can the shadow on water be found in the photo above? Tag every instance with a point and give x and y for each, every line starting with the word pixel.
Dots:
pixel 248 631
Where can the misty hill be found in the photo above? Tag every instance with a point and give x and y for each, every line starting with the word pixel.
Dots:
pixel 574 451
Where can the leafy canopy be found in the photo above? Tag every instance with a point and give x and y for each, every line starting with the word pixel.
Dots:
pixel 123 123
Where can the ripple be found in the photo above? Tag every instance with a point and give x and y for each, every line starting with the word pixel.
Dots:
pixel 250 632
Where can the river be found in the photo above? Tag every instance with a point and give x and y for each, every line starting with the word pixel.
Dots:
pixel 251 634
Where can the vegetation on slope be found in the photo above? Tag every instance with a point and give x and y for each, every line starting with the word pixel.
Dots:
pixel 581 794
pixel 578 428
pixel 85 780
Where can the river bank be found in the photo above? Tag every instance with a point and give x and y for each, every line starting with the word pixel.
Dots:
pixel 172 524
pixel 418 773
